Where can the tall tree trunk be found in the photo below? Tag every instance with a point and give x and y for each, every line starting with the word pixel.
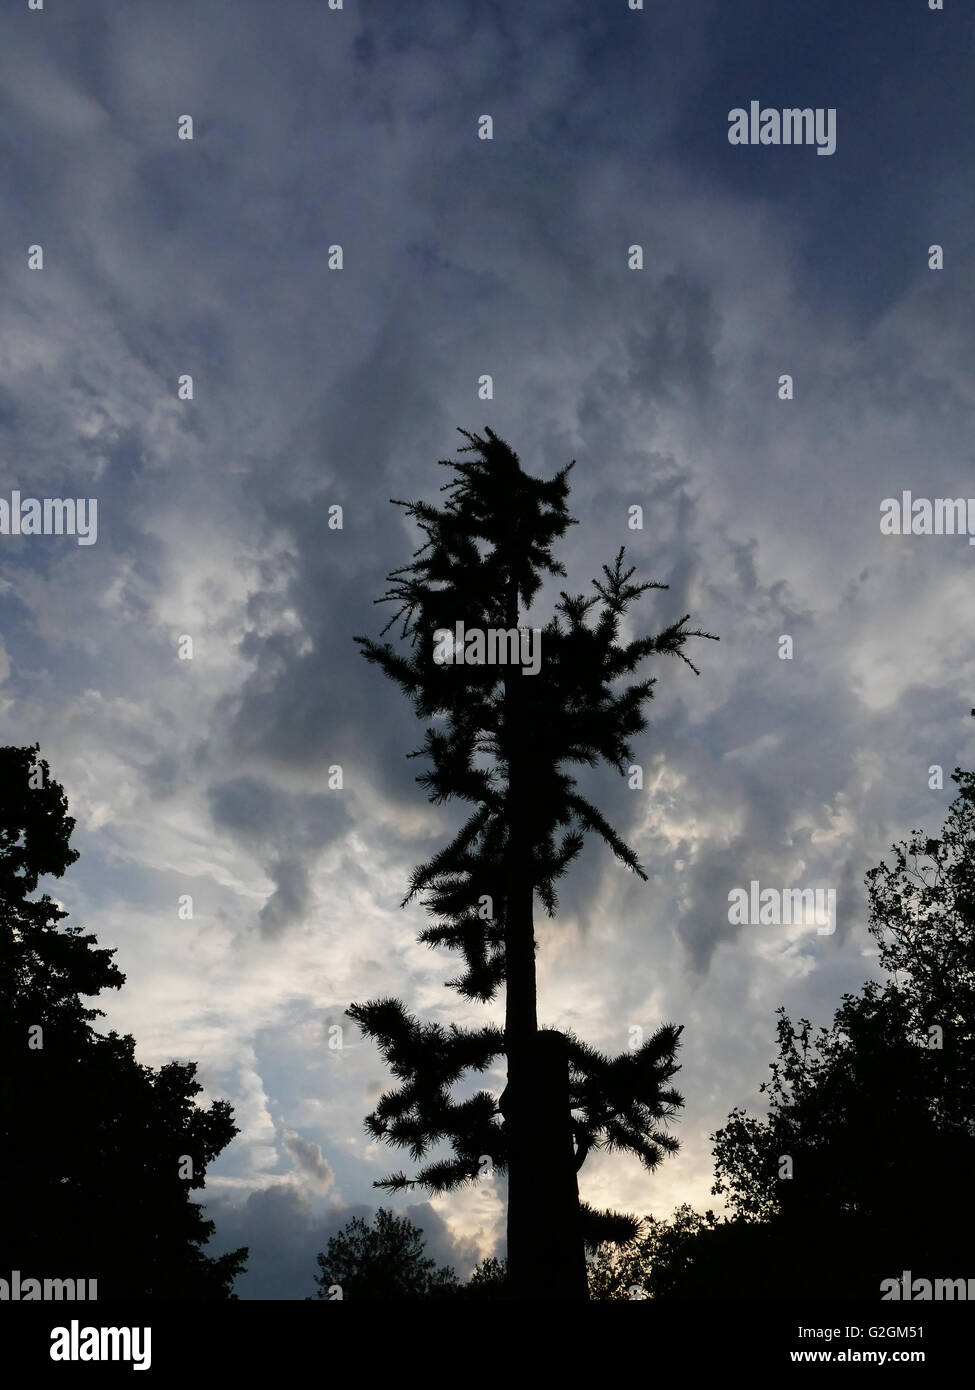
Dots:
pixel 546 1258
pixel 562 1255
pixel 516 1103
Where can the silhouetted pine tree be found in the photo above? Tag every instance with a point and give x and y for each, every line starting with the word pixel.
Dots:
pixel 507 739
pixel 93 1178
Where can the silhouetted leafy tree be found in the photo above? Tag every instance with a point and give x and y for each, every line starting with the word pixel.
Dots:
pixel 863 1163
pixel 489 1279
pixel 507 741
pixel 693 1256
pixel 91 1142
pixel 651 1264
pixel 382 1261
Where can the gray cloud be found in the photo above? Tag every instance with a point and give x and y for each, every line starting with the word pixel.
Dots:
pixel 309 1160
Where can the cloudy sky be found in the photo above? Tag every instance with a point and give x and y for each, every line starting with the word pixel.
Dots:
pixel 462 258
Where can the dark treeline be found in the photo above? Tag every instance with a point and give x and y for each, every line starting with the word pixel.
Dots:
pixel 857 1172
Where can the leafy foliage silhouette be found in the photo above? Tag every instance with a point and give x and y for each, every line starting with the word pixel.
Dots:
pixel 382 1261
pixel 91 1141
pixel 652 1264
pixel 875 1114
